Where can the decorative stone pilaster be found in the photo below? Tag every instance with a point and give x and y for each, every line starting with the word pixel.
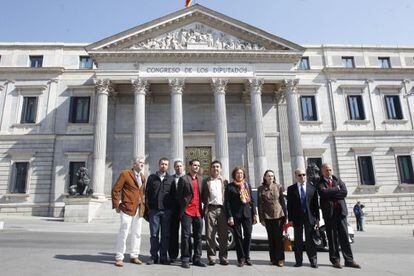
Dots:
pixel 221 143
pixel 260 161
pixel 140 90
pixel 177 135
pixel 103 89
pixel 296 149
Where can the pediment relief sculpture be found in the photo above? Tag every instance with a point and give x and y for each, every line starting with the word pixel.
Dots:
pixel 196 36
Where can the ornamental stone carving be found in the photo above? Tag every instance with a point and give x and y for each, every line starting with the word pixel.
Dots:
pixel 196 36
pixel 103 86
pixel 140 85
pixel 219 85
pixel 176 85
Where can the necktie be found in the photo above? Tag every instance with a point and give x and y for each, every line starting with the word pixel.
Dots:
pixel 335 202
pixel 303 198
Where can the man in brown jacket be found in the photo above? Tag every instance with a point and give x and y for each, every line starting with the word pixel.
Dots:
pixel 131 207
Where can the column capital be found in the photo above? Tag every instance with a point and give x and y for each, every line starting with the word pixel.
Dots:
pixel 255 85
pixel 103 86
pixel 290 85
pixel 140 85
pixel 279 95
pixel 219 85
pixel 176 85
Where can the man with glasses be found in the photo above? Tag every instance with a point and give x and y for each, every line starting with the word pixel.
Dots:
pixel 303 214
pixel 333 192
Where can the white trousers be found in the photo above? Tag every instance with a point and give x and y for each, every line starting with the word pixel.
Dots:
pixel 135 224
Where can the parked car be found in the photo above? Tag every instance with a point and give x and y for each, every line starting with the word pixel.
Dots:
pixel 259 234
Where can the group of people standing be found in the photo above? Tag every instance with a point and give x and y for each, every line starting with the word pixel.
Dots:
pixel 169 202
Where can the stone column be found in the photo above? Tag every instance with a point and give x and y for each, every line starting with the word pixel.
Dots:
pixel 221 143
pixel 296 149
pixel 140 90
pixel 177 135
pixel 260 161
pixel 103 89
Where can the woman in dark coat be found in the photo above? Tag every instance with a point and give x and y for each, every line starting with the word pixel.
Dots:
pixel 241 213
pixel 272 215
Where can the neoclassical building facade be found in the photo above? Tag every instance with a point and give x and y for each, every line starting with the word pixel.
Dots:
pixel 199 84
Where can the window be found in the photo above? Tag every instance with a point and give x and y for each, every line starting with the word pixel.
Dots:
pixel 393 106
pixel 73 169
pixel 36 61
pixel 308 108
pixel 304 64
pixel 315 160
pixel 79 109
pixel 384 62
pixel 356 108
pixel 29 110
pixel 19 177
pixel 85 62
pixel 366 170
pixel 348 62
pixel 405 167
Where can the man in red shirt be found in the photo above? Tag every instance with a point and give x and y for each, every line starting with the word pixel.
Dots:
pixel 189 198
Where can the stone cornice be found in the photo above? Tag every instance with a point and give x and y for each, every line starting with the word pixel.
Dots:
pixel 41 70
pixel 201 56
pixel 380 71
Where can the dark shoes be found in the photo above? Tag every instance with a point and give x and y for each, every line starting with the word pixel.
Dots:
pixel 337 265
pixel 314 264
pixel 248 262
pixel 199 263
pixel 353 265
pixel 185 265
pixel 165 262
pixel 151 261
pixel 212 262
pixel 241 264
pixel 280 263
pixel 224 262
pixel 298 265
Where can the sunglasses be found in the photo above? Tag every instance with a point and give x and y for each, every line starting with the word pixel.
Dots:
pixel 303 174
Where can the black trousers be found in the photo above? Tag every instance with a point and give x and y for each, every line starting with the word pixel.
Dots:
pixel 274 229
pixel 174 233
pixel 337 232
pixel 196 224
pixel 298 227
pixel 243 239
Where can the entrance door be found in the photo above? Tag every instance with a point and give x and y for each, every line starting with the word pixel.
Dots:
pixel 203 154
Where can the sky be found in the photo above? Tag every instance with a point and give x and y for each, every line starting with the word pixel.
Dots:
pixel 374 22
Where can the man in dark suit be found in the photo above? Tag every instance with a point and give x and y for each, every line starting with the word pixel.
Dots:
pixel 189 198
pixel 303 213
pixel 333 192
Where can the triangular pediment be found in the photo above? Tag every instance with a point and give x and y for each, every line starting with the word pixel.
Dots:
pixel 194 29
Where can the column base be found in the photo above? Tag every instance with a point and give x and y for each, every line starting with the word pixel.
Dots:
pixel 82 209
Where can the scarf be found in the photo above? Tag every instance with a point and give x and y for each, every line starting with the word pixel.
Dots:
pixel 244 191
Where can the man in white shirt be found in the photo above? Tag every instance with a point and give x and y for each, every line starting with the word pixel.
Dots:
pixel 216 221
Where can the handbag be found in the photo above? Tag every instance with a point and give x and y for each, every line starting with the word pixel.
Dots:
pixel 316 236
pixel 287 244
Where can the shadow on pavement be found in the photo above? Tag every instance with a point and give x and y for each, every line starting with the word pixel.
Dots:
pixel 105 258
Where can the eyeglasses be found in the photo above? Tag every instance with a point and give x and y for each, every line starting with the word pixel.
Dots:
pixel 302 174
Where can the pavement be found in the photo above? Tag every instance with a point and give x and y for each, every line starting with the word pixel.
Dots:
pixel 49 246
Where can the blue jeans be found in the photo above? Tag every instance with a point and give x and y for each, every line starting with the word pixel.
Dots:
pixel 159 219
